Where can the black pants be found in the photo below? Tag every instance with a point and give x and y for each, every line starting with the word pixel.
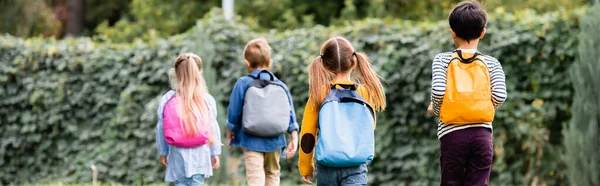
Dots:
pixel 466 157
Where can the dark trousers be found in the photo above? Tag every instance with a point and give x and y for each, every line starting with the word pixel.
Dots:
pixel 466 157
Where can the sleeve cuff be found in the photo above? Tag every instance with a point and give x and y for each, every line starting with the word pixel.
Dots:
pixel 292 127
pixel 306 172
pixel 230 126
pixel 215 152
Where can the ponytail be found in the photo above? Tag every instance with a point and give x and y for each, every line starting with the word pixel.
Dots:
pixel 370 80
pixel 318 78
pixel 190 89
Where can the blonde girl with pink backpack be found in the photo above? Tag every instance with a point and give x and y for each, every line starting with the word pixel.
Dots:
pixel 187 132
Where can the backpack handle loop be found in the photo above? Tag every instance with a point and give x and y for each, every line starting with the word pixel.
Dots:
pixel 263 71
pixel 467 60
pixel 352 87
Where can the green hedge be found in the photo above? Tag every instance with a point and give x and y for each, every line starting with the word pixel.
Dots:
pixel 67 104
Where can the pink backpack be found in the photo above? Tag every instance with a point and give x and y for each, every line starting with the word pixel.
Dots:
pixel 174 134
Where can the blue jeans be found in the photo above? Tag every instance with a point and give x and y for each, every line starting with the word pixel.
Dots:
pixel 195 180
pixel 347 176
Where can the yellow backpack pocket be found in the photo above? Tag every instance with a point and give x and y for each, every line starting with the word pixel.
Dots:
pixel 468 97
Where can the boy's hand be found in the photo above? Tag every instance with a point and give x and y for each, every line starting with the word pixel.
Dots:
pixel 215 162
pixel 306 180
pixel 430 109
pixel 228 138
pixel 163 161
pixel 229 142
pixel 291 150
pixel 292 146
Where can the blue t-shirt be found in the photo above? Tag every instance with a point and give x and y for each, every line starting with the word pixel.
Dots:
pixel 234 118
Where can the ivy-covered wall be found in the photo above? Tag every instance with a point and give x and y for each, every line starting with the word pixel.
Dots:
pixel 67 104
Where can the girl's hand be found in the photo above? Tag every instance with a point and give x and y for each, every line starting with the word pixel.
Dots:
pixel 306 180
pixel 430 109
pixel 163 161
pixel 215 162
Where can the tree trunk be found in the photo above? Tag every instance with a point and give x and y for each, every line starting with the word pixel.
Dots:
pixel 76 17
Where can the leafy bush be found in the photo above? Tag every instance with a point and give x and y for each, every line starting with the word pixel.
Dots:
pixel 67 104
pixel 581 137
pixel 154 18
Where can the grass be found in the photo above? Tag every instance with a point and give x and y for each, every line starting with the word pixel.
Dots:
pixel 118 184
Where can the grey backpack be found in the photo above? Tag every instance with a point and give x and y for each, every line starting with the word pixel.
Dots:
pixel 266 111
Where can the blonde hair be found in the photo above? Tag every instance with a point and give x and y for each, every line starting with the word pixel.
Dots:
pixel 258 53
pixel 338 57
pixel 190 91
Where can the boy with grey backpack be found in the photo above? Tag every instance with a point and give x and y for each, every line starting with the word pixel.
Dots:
pixel 260 113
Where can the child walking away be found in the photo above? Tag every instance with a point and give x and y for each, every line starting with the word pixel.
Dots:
pixel 260 113
pixel 466 89
pixel 339 119
pixel 187 133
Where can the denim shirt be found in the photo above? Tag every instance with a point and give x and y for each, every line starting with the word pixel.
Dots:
pixel 186 162
pixel 234 118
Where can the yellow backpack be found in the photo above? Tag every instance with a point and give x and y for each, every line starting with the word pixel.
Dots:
pixel 468 97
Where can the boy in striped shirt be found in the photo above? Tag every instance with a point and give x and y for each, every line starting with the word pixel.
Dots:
pixel 466 150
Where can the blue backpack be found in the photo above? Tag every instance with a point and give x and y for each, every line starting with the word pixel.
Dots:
pixel 346 133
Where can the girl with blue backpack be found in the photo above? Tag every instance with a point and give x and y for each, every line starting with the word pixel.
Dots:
pixel 187 133
pixel 339 120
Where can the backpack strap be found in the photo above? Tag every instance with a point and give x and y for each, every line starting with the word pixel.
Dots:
pixel 352 87
pixel 467 60
pixel 263 71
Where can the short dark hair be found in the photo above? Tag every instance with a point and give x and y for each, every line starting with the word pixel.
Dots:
pixel 467 20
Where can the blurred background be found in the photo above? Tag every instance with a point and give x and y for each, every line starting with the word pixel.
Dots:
pixel 80 82
pixel 126 20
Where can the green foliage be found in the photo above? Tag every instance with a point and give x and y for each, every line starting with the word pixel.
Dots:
pixel 151 18
pixel 581 137
pixel 542 6
pixel 289 14
pixel 27 18
pixel 127 20
pixel 67 104
pixel 109 11
pixel 32 18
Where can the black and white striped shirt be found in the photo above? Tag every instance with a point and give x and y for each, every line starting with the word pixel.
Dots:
pixel 438 88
